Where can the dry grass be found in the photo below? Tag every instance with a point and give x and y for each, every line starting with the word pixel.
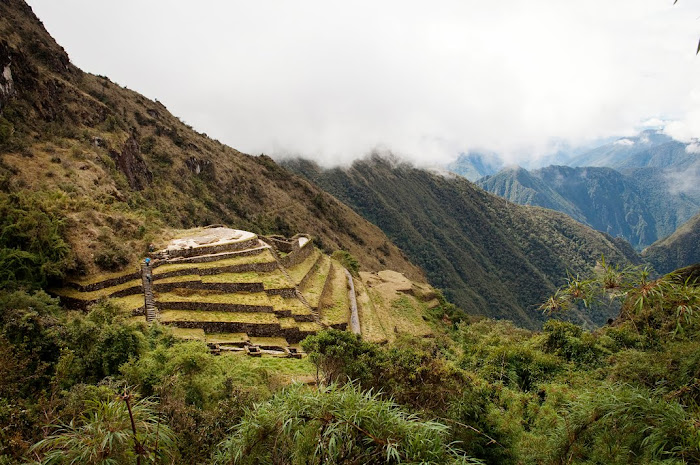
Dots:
pixel 309 326
pixel 179 279
pixel 370 324
pixel 202 316
pixel 299 271
pixel 95 295
pixel 189 333
pixel 269 341
pixel 227 338
pixel 130 302
pixel 314 286
pixel 193 295
pixel 337 309
pixel 293 304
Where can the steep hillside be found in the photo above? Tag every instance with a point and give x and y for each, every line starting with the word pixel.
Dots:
pixel 680 249
pixel 489 256
pixel 93 172
pixel 641 206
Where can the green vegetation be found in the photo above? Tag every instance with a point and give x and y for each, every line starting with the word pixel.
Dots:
pixel 488 256
pixel 206 315
pixel 298 272
pixel 678 250
pixel 349 262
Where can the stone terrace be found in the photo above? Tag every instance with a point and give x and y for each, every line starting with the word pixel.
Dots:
pixel 229 288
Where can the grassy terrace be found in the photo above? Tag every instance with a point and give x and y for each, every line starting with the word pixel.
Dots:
pixel 94 295
pixel 309 326
pixel 242 298
pixel 293 304
pixel 99 277
pixel 337 309
pixel 178 279
pixel 263 257
pixel 130 302
pixel 372 328
pixel 286 323
pixel 269 341
pixel 299 271
pixel 224 338
pixel 203 316
pixel 270 280
pixel 314 286
pixel 189 333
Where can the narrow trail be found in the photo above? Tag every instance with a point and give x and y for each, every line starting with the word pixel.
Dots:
pixel 149 301
pixel 354 317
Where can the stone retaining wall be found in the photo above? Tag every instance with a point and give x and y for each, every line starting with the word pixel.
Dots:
pixel 327 291
pixel 292 335
pixel 288 292
pixel 217 257
pixel 242 268
pixel 308 318
pixel 280 243
pixel 221 287
pixel 311 272
pixel 214 307
pixel 340 326
pixel 297 256
pixel 211 249
pixel 106 283
pixel 128 291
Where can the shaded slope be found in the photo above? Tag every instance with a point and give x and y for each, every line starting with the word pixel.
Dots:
pixel 680 249
pixel 490 256
pixel 640 206
pixel 120 167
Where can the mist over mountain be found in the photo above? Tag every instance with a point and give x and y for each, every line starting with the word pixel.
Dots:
pixel 642 206
pixel 489 256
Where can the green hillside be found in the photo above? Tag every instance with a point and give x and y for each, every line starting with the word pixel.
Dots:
pixel 490 256
pixel 94 172
pixel 641 206
pixel 680 249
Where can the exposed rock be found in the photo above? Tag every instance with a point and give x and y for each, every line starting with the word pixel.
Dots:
pixel 198 166
pixel 130 162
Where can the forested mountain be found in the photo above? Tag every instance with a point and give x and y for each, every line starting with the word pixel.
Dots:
pixel 682 248
pixel 651 149
pixel 93 171
pixel 490 256
pixel 641 206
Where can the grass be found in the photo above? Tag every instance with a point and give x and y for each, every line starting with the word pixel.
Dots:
pixel 289 369
pixel 337 310
pixel 94 295
pixel 270 280
pixel 206 316
pixel 99 277
pixel 130 302
pixel 224 338
pixel 263 257
pixel 178 279
pixel 287 322
pixel 189 333
pixel 293 304
pixel 314 287
pixel 309 326
pixel 269 341
pixel 370 323
pixel 299 271
pixel 238 298
pixel 404 313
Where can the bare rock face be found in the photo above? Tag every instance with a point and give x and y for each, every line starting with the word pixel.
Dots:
pixel 200 167
pixel 7 84
pixel 130 162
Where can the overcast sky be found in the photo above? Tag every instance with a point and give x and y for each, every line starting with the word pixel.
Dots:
pixel 427 80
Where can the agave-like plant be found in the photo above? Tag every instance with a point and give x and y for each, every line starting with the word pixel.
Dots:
pixel 109 432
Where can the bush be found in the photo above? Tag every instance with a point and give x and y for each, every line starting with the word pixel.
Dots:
pixel 347 260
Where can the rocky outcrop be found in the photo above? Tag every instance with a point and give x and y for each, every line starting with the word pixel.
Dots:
pixel 199 166
pixel 130 162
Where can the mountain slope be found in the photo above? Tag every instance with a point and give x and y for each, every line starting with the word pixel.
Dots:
pixel 641 206
pixel 680 249
pixel 111 169
pixel 490 256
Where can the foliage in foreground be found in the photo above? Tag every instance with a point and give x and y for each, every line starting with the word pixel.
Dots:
pixel 336 425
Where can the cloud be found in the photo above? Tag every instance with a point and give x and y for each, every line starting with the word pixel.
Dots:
pixel 626 142
pixel 427 80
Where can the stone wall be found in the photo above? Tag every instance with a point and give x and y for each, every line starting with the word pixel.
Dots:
pixel 221 287
pixel 311 272
pixel 214 307
pixel 106 283
pixel 280 243
pixel 128 291
pixel 242 268
pixel 297 256
pixel 210 249
pixel 222 256
pixel 327 292
pixel 288 292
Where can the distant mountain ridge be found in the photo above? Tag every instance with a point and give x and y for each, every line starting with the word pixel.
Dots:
pixel 490 256
pixel 640 206
pixel 680 249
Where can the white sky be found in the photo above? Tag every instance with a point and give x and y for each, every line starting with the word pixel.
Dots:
pixel 427 80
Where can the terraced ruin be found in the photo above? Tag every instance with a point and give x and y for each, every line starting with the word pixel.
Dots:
pixel 230 288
